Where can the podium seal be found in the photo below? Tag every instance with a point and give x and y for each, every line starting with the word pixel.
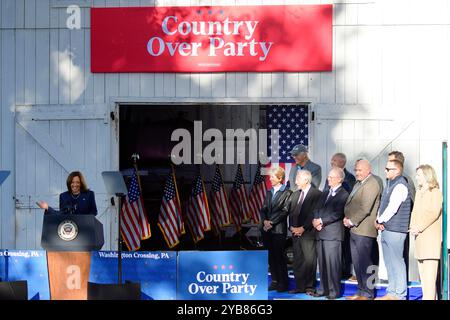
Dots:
pixel 67 230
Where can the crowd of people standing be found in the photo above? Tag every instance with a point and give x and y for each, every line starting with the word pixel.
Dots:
pixel 337 227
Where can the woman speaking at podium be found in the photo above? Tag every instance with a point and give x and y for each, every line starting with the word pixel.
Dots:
pixel 78 199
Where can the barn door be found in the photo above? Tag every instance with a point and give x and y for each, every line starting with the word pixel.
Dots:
pixel 357 136
pixel 360 134
pixel 52 141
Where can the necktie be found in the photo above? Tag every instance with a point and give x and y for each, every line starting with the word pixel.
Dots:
pixel 300 199
pixel 329 195
pixel 299 203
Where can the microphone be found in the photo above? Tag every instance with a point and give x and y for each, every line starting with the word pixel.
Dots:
pixel 68 208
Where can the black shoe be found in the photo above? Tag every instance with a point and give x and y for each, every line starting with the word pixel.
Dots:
pixel 315 294
pixel 296 291
pixel 330 297
pixel 273 286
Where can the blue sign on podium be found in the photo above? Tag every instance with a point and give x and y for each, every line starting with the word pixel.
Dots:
pixel 222 275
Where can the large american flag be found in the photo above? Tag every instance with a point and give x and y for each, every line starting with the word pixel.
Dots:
pixel 257 195
pixel 197 210
pixel 134 225
pixel 220 209
pixel 240 208
pixel 170 220
pixel 292 124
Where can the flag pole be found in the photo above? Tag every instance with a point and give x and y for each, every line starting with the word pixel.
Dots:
pixel 120 240
pixel 135 158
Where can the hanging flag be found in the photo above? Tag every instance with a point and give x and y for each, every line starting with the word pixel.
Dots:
pixel 257 195
pixel 134 225
pixel 220 209
pixel 240 209
pixel 197 211
pixel 293 126
pixel 170 220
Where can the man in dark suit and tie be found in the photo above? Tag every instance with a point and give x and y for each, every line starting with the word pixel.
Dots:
pixel 301 205
pixel 340 160
pixel 328 222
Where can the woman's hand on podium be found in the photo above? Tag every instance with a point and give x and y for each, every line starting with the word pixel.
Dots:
pixel 42 204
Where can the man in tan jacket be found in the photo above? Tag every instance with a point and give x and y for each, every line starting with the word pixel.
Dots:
pixel 360 214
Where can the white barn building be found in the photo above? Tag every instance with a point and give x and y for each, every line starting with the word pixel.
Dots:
pixel 389 90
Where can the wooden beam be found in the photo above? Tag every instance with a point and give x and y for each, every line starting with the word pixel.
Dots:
pixel 61 112
pixel 50 145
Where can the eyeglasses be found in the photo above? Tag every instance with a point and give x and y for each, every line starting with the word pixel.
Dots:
pixel 389 169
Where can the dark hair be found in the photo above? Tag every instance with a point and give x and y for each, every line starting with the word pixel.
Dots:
pixel 397 163
pixel 397 156
pixel 83 187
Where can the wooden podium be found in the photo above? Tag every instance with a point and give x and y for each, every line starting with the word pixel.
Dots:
pixel 69 240
pixel 68 274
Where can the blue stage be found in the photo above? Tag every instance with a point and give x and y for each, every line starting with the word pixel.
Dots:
pixel 350 287
pixel 188 275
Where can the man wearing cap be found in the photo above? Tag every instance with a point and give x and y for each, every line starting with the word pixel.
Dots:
pixel 302 162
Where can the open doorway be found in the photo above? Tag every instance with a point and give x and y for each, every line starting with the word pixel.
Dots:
pixel 147 130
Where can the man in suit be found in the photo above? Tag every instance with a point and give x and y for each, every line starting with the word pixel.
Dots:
pixel 302 162
pixel 360 214
pixel 339 160
pixel 328 222
pixel 301 205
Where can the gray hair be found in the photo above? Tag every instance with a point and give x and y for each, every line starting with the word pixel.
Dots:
pixel 306 174
pixel 365 161
pixel 340 173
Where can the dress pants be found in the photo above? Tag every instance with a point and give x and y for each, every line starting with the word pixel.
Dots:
pixel 428 273
pixel 364 256
pixel 329 254
pixel 346 255
pixel 305 263
pixel 275 244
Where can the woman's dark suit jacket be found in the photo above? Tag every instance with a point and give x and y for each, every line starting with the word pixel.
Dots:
pixel 84 204
pixel 276 210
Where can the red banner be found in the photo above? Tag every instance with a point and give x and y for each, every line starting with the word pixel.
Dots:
pixel 212 39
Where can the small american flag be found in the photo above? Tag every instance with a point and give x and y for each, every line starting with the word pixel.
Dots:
pixel 293 126
pixel 240 208
pixel 170 220
pixel 220 209
pixel 257 195
pixel 134 225
pixel 198 211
